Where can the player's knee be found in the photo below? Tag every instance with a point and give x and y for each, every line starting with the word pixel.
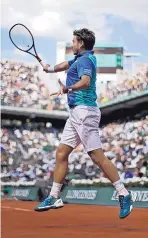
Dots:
pixel 92 155
pixel 96 155
pixel 61 154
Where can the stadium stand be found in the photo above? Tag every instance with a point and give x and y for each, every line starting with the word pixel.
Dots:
pixel 28 151
pixel 21 86
pixel 130 86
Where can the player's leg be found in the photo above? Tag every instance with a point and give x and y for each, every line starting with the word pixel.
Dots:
pixel 61 167
pixel 126 198
pixel 69 141
pixel 99 158
pixel 87 125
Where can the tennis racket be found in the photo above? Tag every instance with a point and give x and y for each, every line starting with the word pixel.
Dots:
pixel 22 39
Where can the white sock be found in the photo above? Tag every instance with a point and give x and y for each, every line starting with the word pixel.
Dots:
pixel 55 190
pixel 120 188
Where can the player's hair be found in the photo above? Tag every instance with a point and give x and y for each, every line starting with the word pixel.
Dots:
pixel 87 36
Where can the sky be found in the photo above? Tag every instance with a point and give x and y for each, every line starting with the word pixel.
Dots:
pixel 51 21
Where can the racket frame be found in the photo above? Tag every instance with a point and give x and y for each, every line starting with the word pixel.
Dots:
pixel 33 43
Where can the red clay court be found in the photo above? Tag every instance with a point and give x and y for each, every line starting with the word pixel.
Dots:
pixel 73 221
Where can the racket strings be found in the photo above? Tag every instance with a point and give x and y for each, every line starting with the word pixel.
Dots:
pixel 21 37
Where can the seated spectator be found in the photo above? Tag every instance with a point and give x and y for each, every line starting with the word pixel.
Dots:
pixel 28 152
pixel 22 87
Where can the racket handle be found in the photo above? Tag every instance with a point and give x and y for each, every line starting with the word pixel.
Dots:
pixel 40 61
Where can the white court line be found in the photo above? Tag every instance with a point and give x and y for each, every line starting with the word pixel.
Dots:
pixel 17 209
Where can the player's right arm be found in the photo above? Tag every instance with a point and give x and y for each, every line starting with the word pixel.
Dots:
pixel 59 67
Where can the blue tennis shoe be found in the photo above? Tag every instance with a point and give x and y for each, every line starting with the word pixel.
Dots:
pixel 49 203
pixel 126 204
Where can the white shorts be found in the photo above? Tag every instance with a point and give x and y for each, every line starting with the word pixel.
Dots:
pixel 82 126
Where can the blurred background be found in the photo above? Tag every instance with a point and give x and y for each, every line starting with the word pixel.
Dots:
pixel 32 122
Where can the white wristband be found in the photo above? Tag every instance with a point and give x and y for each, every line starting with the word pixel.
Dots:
pixel 51 69
pixel 69 90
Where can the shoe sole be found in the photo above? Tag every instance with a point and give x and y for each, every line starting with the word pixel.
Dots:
pixel 44 209
pixel 41 210
pixel 133 198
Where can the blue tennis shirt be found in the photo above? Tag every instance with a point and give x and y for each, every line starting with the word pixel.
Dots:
pixel 83 64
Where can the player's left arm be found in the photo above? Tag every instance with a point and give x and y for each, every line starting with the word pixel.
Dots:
pixel 85 71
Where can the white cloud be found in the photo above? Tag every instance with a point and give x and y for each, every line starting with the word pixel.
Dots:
pixel 58 18
pixel 141 29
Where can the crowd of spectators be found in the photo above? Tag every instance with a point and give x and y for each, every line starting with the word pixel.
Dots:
pixel 21 86
pixel 129 86
pixel 28 151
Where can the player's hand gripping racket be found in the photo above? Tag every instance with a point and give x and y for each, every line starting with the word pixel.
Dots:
pixel 23 40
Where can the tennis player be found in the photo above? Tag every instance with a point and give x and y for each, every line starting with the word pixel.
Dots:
pixel 82 125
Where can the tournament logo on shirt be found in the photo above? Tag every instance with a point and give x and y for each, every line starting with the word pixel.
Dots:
pixel 87 71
